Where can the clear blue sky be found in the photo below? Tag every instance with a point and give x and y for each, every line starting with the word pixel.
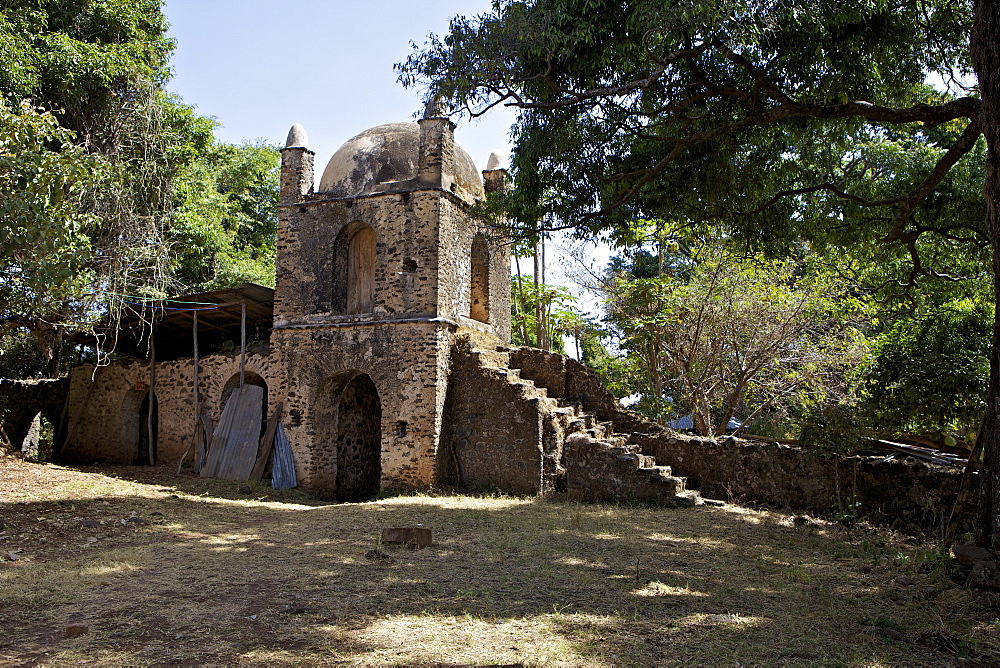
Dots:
pixel 259 66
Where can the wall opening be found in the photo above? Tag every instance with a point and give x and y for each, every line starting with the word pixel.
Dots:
pixel 354 270
pixel 249 378
pixel 359 441
pixel 347 456
pixel 479 298
pixel 135 425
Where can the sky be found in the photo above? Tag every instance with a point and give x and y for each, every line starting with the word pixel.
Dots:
pixel 258 66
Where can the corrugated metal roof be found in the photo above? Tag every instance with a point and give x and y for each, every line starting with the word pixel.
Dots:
pixel 218 321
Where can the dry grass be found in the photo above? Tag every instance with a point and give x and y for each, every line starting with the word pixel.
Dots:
pixel 181 570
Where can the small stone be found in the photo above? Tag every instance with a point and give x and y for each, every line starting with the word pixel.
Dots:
pixel 985 575
pixel 970 554
pixel 90 524
pixel 413 537
pixel 137 521
pixel 74 630
pixel 292 609
pixel 156 513
pixel 904 580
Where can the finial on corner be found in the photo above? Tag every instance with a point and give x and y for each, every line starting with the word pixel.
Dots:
pixel 435 108
pixel 297 137
pixel 493 162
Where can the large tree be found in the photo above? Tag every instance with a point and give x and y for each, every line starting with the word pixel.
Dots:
pixel 771 118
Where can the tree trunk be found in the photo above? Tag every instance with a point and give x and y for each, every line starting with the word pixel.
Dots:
pixel 984 46
pixel 48 338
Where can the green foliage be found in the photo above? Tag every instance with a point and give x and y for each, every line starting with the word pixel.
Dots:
pixel 116 189
pixel 85 60
pixel 43 228
pixel 703 111
pixel 225 218
pixel 736 337
pixel 929 373
pixel 551 302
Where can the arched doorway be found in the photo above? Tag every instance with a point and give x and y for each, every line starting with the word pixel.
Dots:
pixel 479 284
pixel 136 425
pixel 348 457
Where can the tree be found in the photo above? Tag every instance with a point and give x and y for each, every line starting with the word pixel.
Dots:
pixel 755 116
pixel 44 179
pixel 737 337
pixel 136 190
pixel 928 373
pixel 225 217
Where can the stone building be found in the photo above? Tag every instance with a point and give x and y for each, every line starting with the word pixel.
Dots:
pixel 379 268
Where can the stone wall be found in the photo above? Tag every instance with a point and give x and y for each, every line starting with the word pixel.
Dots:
pixel 404 362
pixel 493 430
pixel 906 493
pixel 104 403
pixel 566 378
pixel 22 400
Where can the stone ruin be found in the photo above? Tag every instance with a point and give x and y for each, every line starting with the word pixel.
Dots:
pixel 384 353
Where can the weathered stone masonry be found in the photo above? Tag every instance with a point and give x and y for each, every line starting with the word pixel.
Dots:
pixel 378 270
pixel 387 349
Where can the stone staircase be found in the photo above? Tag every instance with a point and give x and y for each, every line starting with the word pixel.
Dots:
pixel 580 455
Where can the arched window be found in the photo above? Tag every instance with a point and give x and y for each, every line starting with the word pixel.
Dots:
pixel 354 269
pixel 479 284
pixel 361 271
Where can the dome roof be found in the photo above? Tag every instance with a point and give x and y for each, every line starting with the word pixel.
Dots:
pixel 386 154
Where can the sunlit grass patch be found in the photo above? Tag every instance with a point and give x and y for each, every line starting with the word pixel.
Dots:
pixel 210 576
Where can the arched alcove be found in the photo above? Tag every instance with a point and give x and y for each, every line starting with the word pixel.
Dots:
pixel 354 269
pixel 249 378
pixel 135 427
pixel 479 284
pixel 347 462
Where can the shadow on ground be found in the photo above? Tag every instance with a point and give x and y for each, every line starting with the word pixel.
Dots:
pixel 184 570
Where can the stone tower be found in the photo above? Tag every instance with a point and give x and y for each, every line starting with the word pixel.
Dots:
pixel 378 269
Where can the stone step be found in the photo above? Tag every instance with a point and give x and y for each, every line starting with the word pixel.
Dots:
pixel 641 461
pixel 663 474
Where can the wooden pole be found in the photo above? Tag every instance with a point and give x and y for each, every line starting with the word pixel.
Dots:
pixel 152 397
pixel 243 340
pixel 196 431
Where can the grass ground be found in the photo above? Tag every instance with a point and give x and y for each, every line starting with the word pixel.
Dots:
pixel 168 569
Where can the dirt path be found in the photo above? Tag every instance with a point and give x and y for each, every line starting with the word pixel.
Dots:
pixel 165 569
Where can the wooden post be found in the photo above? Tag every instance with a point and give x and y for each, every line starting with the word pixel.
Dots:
pixel 196 431
pixel 243 340
pixel 152 394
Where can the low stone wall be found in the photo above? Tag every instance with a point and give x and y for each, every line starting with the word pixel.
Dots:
pixel 22 400
pixel 909 494
pixel 492 433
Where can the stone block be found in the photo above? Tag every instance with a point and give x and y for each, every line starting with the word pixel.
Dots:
pixel 415 538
